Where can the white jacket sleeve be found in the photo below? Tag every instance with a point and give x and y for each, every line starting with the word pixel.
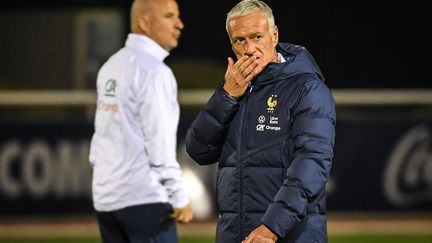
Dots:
pixel 159 113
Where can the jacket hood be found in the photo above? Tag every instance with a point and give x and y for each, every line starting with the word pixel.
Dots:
pixel 298 61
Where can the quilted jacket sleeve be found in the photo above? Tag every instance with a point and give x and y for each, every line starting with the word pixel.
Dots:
pixel 311 148
pixel 206 135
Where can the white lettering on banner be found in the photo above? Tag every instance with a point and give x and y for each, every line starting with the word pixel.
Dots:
pixel 407 176
pixel 40 169
pixel 37 169
pixel 10 186
pixel 74 169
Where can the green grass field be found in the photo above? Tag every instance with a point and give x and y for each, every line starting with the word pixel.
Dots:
pixel 425 238
pixel 390 229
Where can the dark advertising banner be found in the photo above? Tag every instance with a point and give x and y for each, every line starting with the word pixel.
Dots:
pixel 44 168
pixel 383 162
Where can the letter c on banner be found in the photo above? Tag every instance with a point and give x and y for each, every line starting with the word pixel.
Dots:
pixel 9 153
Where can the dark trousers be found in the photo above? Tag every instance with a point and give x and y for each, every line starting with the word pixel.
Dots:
pixel 147 223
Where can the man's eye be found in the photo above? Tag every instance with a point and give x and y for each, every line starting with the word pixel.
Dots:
pixel 258 37
pixel 238 41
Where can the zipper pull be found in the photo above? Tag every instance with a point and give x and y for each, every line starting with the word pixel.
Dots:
pixel 250 87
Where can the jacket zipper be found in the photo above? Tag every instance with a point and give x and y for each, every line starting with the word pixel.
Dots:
pixel 250 86
pixel 241 154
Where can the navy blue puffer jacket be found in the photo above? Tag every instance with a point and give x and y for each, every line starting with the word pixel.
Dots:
pixel 274 147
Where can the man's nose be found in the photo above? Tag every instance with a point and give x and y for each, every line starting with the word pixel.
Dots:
pixel 179 24
pixel 249 48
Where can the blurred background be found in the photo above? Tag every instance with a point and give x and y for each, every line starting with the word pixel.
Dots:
pixel 374 56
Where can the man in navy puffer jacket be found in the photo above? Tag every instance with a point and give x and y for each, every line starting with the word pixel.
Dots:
pixel 271 127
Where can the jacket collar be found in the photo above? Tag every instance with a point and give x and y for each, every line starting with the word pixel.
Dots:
pixel 145 44
pixel 298 61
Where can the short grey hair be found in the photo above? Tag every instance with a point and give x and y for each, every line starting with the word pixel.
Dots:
pixel 246 7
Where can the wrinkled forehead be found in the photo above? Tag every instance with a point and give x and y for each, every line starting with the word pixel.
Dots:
pixel 252 22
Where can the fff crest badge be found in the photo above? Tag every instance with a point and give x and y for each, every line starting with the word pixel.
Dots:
pixel 271 103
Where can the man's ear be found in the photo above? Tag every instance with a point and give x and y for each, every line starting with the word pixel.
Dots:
pixel 275 36
pixel 143 23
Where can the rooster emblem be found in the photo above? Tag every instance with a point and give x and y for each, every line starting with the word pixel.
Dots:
pixel 271 103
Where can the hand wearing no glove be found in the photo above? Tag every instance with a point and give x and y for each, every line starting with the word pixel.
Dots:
pixel 238 75
pixel 183 215
pixel 261 235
